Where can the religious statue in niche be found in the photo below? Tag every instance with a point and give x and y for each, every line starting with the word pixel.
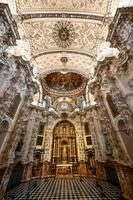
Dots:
pixel 64 106
pixel 64 129
pixel 64 152
pixel 19 149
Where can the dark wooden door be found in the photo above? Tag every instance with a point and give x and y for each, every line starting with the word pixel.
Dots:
pixel 111 175
pixel 16 176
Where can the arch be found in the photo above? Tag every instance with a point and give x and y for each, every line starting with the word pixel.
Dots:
pixel 66 51
pixel 59 120
pixel 63 121
pixel 78 71
pixel 64 143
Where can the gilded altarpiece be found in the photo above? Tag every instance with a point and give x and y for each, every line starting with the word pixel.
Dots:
pixel 64 143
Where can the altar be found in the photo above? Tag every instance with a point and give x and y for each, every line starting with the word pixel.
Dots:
pixel 64 170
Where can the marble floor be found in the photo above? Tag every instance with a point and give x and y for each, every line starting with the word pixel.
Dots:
pixel 71 189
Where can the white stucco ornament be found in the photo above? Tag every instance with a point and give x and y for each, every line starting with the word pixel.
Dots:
pixel 3 1
pixel 125 3
pixel 19 50
pixel 105 51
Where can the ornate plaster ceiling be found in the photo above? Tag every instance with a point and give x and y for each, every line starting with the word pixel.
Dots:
pixel 85 36
pixel 63 83
pixel 92 6
pixel 64 28
pixel 75 62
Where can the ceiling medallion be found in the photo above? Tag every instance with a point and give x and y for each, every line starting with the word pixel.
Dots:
pixel 64 60
pixel 63 34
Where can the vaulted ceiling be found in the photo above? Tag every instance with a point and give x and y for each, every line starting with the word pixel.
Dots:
pixel 64 29
pixel 90 6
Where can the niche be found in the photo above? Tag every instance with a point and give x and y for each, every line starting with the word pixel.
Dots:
pixel 40 134
pixel 18 149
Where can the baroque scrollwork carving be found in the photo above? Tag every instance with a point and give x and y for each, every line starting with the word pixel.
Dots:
pixel 124 113
pixel 105 127
pixel 40 34
pixel 71 5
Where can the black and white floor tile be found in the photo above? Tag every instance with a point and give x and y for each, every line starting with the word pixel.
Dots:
pixel 63 189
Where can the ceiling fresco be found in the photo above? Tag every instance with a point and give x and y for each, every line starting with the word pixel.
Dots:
pixel 63 83
pixel 54 29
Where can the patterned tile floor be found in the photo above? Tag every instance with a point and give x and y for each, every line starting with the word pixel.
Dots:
pixel 63 189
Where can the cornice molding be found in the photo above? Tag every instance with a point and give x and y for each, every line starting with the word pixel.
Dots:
pixel 119 13
pixel 64 15
pixel 7 16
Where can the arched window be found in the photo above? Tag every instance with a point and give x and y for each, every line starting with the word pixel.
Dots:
pixel 88 134
pixel 112 106
pixel 88 140
pixel 14 106
pixel 40 134
pixel 4 125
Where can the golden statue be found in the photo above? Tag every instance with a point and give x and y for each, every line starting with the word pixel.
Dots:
pixel 64 152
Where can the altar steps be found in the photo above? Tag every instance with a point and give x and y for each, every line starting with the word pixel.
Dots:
pixel 63 189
